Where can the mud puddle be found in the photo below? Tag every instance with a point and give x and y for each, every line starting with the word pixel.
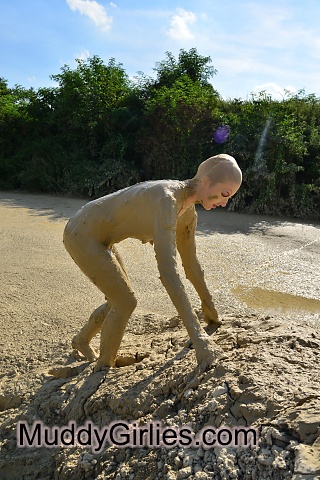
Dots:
pixel 276 302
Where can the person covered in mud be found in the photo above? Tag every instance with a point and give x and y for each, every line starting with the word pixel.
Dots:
pixel 163 213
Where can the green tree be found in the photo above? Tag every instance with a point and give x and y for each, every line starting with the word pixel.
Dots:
pixel 196 67
pixel 89 113
pixel 180 110
pixel 13 129
pixel 178 128
pixel 96 131
pixel 289 181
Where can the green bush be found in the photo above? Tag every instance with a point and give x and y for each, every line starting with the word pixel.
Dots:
pixel 97 131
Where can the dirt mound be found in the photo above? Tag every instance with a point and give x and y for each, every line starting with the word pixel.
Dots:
pixel 269 379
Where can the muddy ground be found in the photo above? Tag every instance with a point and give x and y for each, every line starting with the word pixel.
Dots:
pixel 264 274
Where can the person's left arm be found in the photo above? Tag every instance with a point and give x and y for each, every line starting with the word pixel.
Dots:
pixel 186 229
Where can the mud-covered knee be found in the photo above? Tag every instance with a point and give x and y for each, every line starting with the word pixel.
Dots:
pixel 128 304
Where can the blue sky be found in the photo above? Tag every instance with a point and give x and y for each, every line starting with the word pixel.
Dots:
pixel 255 45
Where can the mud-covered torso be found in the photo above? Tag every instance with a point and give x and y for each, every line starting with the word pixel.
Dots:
pixel 131 212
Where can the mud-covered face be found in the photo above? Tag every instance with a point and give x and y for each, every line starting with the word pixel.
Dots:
pixel 217 195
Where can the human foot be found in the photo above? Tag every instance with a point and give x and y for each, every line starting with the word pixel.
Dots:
pixel 83 347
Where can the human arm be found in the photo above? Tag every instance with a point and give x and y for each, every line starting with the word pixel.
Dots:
pixel 186 228
pixel 166 252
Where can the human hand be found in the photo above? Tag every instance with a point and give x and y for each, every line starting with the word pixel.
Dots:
pixel 208 356
pixel 210 314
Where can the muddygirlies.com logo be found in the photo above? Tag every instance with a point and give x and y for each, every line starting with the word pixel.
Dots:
pixel 122 434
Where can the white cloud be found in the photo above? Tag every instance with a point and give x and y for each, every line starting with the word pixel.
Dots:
pixel 94 10
pixel 280 27
pixel 274 90
pixel 180 25
pixel 243 62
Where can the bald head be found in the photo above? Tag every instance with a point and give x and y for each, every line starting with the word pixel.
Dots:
pixel 220 169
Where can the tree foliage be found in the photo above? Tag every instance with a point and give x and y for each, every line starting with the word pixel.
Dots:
pixel 189 64
pixel 97 131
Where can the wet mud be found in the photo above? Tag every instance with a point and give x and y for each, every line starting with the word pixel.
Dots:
pixel 273 302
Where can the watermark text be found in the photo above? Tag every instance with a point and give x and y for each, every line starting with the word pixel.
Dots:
pixel 122 434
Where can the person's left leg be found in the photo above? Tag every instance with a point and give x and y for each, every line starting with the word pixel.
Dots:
pixel 81 341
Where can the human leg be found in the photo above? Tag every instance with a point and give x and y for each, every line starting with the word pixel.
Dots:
pixel 119 259
pixel 122 303
pixel 106 270
pixel 81 341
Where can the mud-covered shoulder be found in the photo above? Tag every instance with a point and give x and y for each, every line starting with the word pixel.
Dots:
pixel 167 211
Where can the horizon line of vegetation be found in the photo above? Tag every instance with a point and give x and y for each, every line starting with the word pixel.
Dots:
pixel 97 131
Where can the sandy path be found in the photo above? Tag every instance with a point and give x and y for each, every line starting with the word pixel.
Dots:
pixel 253 264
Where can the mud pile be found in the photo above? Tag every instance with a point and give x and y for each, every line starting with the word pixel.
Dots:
pixel 263 274
pixel 268 379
